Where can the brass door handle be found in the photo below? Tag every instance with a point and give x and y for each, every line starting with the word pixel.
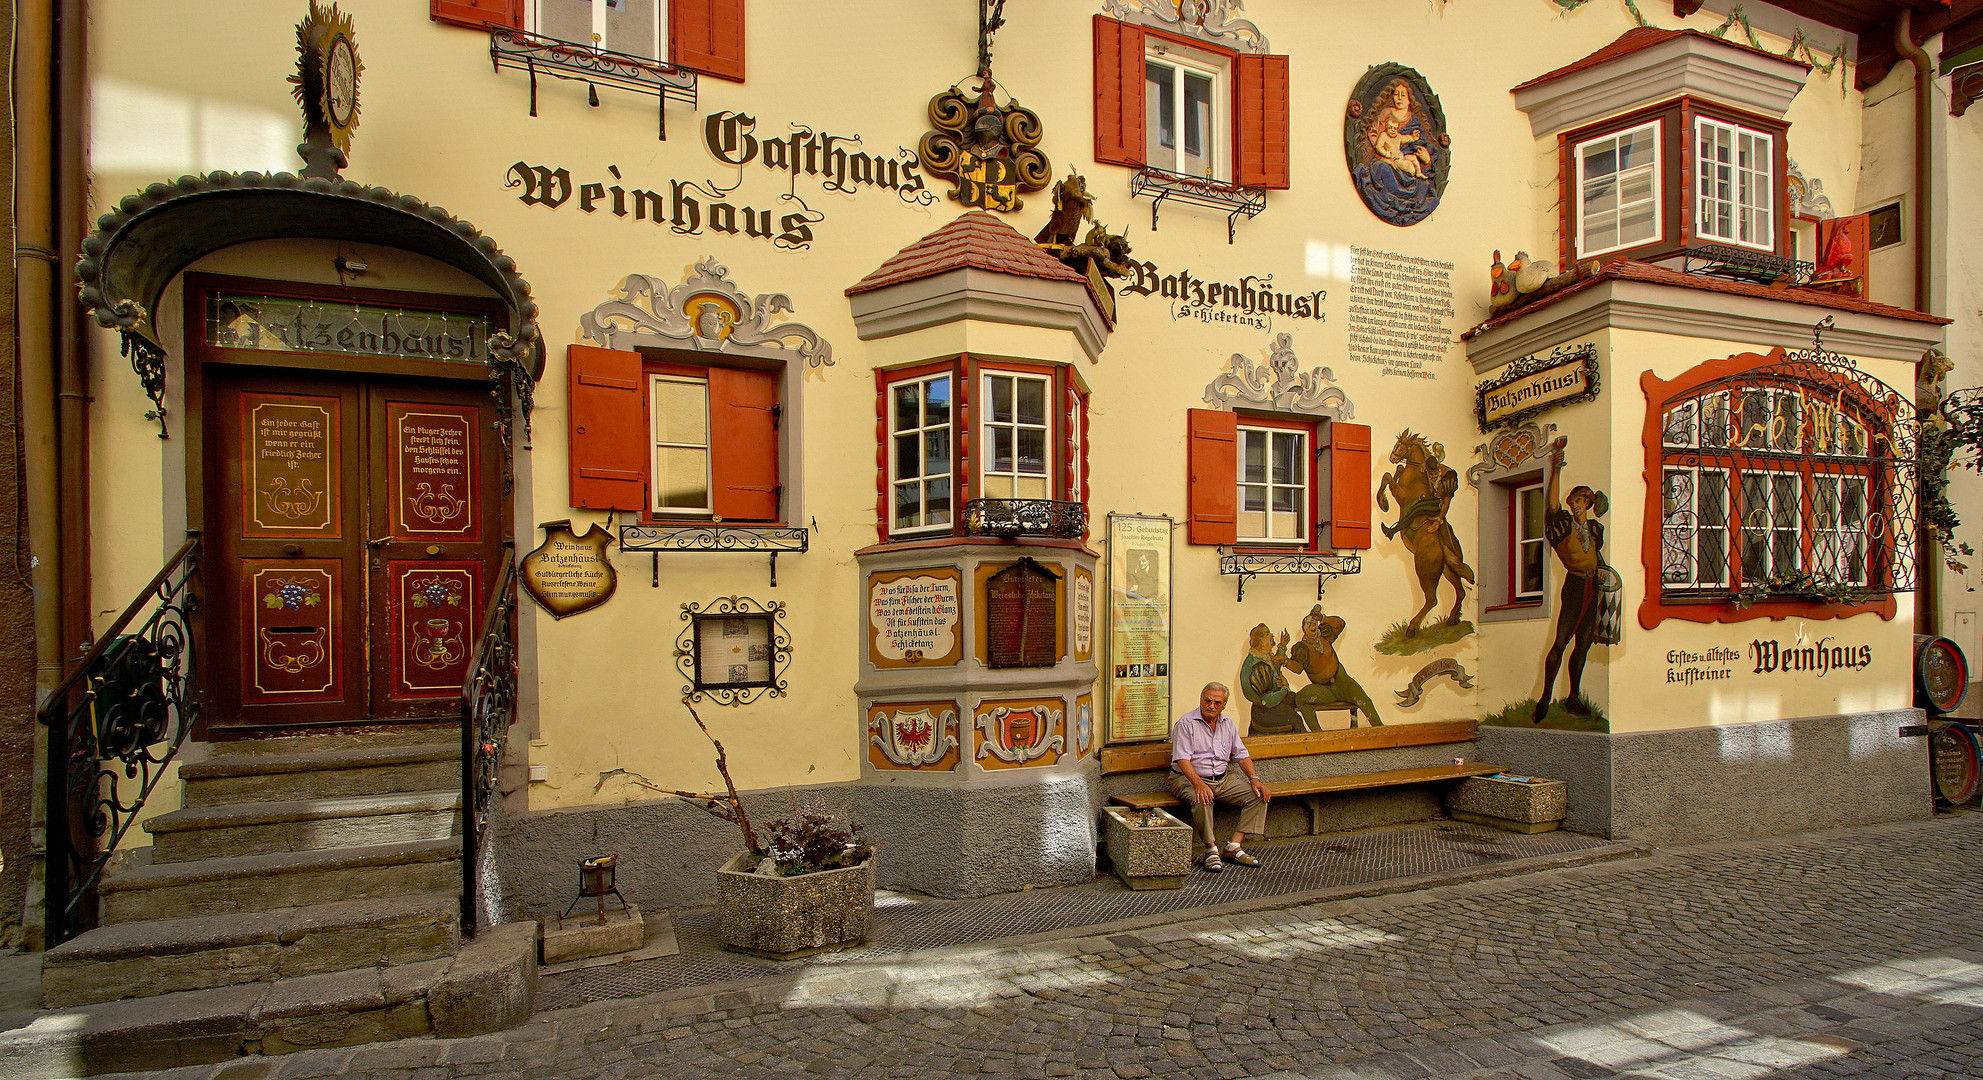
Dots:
pixel 376 543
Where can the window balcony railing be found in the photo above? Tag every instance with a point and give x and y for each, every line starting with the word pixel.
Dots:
pixel 574 62
pixel 1025 517
pixel 1237 200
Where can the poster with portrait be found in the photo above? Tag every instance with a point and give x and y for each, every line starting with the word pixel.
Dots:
pixel 1139 641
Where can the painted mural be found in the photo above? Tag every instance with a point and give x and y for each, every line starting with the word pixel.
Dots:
pixel 1424 486
pixel 1278 706
pixel 1396 141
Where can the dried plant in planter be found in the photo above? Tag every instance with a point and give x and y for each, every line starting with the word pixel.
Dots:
pixel 809 840
pixel 729 806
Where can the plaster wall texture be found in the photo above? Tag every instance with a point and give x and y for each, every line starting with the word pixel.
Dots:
pixel 1733 781
pixel 604 682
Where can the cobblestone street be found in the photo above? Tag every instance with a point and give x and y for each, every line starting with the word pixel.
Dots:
pixel 1853 953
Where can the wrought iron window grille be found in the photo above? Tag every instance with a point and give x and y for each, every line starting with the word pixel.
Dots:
pixel 1012 518
pixel 1744 264
pixel 1247 565
pixel 771 539
pixel 575 62
pixel 1795 481
pixel 1238 200
pixel 730 613
pixel 113 726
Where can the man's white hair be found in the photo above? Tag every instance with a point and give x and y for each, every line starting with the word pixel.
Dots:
pixel 1219 686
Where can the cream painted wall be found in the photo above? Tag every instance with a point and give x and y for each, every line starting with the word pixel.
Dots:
pixel 182 86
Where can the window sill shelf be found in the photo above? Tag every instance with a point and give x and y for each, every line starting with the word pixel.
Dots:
pixel 1246 564
pixel 572 61
pixel 1237 199
pixel 659 536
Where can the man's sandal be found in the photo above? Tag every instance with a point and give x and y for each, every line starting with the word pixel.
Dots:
pixel 1237 854
pixel 1213 863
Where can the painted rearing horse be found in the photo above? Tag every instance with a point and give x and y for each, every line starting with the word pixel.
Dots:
pixel 1424 487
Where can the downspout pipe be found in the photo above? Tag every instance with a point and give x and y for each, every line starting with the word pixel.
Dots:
pixel 1927 557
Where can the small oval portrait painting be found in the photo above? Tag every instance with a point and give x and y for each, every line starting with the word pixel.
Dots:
pixel 1394 135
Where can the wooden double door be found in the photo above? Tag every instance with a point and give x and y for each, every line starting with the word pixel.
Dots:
pixel 354 527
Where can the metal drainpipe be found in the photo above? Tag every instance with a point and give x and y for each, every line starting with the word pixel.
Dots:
pixel 70 327
pixel 36 294
pixel 1928 599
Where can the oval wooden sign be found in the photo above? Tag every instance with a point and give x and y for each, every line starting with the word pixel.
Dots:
pixel 567 573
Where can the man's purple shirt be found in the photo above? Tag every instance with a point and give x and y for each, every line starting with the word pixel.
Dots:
pixel 1210 750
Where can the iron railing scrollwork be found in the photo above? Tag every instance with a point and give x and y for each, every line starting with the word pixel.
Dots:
pixel 113 725
pixel 572 61
pixel 1246 565
pixel 1237 200
pixel 1057 519
pixel 488 708
pixel 1744 264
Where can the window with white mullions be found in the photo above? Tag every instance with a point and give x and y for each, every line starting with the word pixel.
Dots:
pixel 1838 528
pixel 1181 101
pixel 1694 528
pixel 1734 169
pixel 633 27
pixel 1772 516
pixel 1530 547
pixel 679 423
pixel 1617 191
pixel 920 458
pixel 1017 450
pixel 1273 484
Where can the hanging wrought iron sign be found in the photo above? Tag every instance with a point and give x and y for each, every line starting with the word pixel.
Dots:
pixel 568 573
pixel 990 151
pixel 1533 385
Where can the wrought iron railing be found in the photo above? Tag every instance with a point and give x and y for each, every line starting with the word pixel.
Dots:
pixel 1237 200
pixel 113 725
pixel 1743 264
pixel 488 708
pixel 1025 517
pixel 574 62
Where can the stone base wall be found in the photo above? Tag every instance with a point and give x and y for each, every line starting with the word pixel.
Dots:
pixel 1732 781
pixel 975 841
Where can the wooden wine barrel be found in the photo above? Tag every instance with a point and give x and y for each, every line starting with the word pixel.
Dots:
pixel 1955 760
pixel 1941 674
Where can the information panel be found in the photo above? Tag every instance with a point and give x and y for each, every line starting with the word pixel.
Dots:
pixel 1139 639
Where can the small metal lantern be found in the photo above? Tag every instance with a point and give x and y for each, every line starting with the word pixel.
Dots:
pixel 595 879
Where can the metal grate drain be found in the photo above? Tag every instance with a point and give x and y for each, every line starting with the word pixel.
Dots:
pixel 903 923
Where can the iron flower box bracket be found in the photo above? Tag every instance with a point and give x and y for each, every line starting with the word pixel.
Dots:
pixel 655 539
pixel 1237 200
pixel 574 62
pixel 1743 264
pixel 1246 565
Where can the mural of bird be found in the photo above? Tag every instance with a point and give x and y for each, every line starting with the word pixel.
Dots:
pixel 1837 260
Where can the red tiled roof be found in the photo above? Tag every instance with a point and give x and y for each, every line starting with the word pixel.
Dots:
pixel 1635 39
pixel 975 240
pixel 1630 270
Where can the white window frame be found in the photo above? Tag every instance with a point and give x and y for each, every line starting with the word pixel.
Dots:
pixel 1831 532
pixel 985 450
pixel 1658 166
pixel 658 40
pixel 1740 179
pixel 1304 531
pixel 1219 140
pixel 1519 542
pixel 1698 531
pixel 895 480
pixel 656 445
pixel 1776 522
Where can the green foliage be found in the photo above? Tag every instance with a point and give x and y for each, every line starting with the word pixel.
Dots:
pixel 1801 584
pixel 809 839
pixel 1936 449
pixel 1400 641
pixel 1521 714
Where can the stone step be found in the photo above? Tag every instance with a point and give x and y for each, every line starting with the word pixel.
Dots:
pixel 161 956
pixel 206 832
pixel 423 734
pixel 279 880
pixel 489 985
pixel 322 774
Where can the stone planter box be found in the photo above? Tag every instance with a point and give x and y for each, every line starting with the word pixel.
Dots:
pixel 1156 856
pixel 1534 806
pixel 788 917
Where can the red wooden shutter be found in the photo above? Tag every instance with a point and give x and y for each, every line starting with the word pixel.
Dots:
pixel 1214 464
pixel 743 444
pixel 1260 120
pixel 608 429
pixel 707 36
pixel 1349 485
pixel 1118 92
pixel 477 13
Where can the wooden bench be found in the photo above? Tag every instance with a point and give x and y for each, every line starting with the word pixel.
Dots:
pixel 1152 756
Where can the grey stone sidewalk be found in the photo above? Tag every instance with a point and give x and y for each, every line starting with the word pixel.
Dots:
pixel 1839 954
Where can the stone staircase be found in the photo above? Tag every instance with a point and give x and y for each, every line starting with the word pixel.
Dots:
pixel 308 894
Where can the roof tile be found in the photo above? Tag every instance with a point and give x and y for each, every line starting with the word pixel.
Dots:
pixel 1633 40
pixel 975 240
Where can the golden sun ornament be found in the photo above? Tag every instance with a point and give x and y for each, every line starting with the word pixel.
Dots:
pixel 326 79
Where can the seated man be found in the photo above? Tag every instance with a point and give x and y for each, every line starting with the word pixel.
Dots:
pixel 1205 746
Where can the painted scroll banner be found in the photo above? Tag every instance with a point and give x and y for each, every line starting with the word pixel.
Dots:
pixel 1139 642
pixel 913 618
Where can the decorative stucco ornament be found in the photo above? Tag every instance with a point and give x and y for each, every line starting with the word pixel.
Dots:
pixel 1510 447
pixel 707 312
pixel 914 739
pixel 1279 385
pixel 1020 735
pixel 1807 196
pixel 1210 20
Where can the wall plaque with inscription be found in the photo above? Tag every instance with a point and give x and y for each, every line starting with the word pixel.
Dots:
pixel 1020 607
pixel 434 452
pixel 292 482
pixel 568 574
pixel 913 618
